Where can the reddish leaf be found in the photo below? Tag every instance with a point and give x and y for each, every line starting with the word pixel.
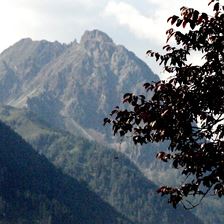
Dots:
pixel 174 19
pixel 184 23
pixel 211 2
pixel 179 22
pixel 199 20
pixel 216 7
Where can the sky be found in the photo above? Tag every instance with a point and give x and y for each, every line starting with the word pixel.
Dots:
pixel 139 25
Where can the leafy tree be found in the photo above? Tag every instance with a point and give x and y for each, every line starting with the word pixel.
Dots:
pixel 186 110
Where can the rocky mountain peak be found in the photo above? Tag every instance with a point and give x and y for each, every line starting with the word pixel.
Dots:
pixel 88 78
pixel 95 35
pixel 25 40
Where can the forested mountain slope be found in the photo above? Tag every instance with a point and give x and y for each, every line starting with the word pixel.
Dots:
pixel 107 172
pixel 32 190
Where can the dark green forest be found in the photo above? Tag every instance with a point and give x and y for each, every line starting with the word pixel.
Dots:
pixel 32 190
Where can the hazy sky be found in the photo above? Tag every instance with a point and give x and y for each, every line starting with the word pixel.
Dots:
pixel 137 24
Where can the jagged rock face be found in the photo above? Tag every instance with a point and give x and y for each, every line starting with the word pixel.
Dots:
pixel 20 63
pixel 82 81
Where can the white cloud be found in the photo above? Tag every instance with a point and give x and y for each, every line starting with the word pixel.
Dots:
pixel 13 22
pixel 174 5
pixel 47 19
pixel 151 25
pixel 142 26
pixel 139 25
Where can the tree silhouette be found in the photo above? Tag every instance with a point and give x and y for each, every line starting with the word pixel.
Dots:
pixel 187 110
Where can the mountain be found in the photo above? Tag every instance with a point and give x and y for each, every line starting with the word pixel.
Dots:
pixel 107 172
pixel 32 190
pixel 70 89
pixel 71 85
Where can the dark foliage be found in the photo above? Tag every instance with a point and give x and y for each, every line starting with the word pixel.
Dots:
pixel 187 109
